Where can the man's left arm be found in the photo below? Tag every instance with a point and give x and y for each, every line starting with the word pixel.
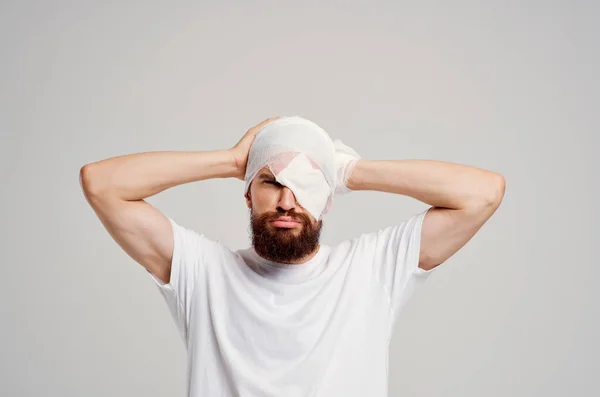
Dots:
pixel 463 199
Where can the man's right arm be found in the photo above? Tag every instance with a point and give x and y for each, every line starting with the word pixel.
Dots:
pixel 116 188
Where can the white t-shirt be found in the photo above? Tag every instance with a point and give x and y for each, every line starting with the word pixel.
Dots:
pixel 256 328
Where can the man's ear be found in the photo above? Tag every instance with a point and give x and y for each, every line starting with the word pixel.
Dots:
pixel 248 199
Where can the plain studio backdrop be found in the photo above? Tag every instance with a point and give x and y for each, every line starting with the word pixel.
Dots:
pixel 507 86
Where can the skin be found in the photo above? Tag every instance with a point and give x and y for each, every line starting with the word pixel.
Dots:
pixel 463 198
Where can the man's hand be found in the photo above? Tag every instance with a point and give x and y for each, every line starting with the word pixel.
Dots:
pixel 241 149
pixel 345 160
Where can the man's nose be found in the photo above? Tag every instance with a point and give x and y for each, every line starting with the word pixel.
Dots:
pixel 287 200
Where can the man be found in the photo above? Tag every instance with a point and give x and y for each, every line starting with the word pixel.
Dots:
pixel 288 316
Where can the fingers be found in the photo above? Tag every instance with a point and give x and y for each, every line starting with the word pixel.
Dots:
pixel 265 122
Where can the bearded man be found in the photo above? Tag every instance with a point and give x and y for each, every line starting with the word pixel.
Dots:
pixel 289 316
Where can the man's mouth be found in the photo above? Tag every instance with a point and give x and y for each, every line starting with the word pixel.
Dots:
pixel 285 222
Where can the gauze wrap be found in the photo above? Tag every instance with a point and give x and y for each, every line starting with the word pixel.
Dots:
pixel 301 156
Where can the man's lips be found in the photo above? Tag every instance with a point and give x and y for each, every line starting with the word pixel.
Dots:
pixel 285 222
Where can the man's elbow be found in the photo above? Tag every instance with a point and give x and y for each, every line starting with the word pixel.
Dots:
pixel 89 181
pixel 489 196
pixel 496 190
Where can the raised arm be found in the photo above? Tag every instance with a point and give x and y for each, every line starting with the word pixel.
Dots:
pixel 116 188
pixel 463 197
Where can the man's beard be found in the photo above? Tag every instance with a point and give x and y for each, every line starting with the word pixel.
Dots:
pixel 281 244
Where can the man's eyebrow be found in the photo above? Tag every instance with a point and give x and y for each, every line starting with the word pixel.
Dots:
pixel 266 176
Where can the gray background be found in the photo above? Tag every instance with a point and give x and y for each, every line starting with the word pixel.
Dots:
pixel 509 86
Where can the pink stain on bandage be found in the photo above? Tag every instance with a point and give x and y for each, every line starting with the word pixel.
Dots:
pixel 283 159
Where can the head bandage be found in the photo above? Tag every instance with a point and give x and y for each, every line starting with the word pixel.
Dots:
pixel 301 156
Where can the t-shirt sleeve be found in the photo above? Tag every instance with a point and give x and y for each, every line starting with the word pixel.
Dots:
pixel 396 259
pixel 189 249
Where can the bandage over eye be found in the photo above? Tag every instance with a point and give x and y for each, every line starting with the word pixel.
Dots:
pixel 300 155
